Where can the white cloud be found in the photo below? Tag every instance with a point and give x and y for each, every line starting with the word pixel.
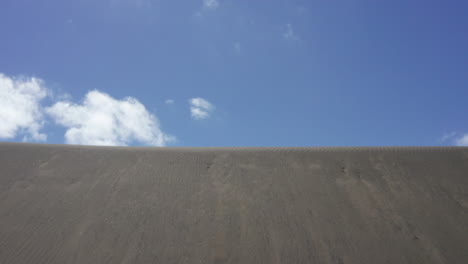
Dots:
pixel 200 108
pixel 289 33
pixel 169 101
pixel 462 141
pixel 103 120
pixel 455 138
pixel 210 4
pixel 20 109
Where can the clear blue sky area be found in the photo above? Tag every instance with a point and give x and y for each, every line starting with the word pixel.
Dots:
pixel 274 73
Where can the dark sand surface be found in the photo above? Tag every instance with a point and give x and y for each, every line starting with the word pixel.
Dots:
pixel 80 204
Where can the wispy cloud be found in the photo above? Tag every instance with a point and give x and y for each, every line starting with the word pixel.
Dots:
pixel 454 138
pixel 210 4
pixel 133 3
pixel 448 136
pixel 169 101
pixel 289 33
pixel 462 140
pixel 200 108
pixel 20 109
pixel 237 47
pixel 301 10
pixel 102 120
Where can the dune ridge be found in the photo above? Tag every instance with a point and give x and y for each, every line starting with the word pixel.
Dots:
pixel 89 204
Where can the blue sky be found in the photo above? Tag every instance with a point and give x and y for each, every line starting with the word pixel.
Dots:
pixel 234 73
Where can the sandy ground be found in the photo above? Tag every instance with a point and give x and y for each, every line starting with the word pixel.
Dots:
pixel 79 204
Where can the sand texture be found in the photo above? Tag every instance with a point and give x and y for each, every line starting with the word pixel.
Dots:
pixel 92 205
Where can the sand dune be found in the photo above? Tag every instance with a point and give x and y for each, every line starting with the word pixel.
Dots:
pixel 81 204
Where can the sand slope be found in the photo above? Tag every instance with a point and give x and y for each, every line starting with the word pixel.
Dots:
pixel 77 204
